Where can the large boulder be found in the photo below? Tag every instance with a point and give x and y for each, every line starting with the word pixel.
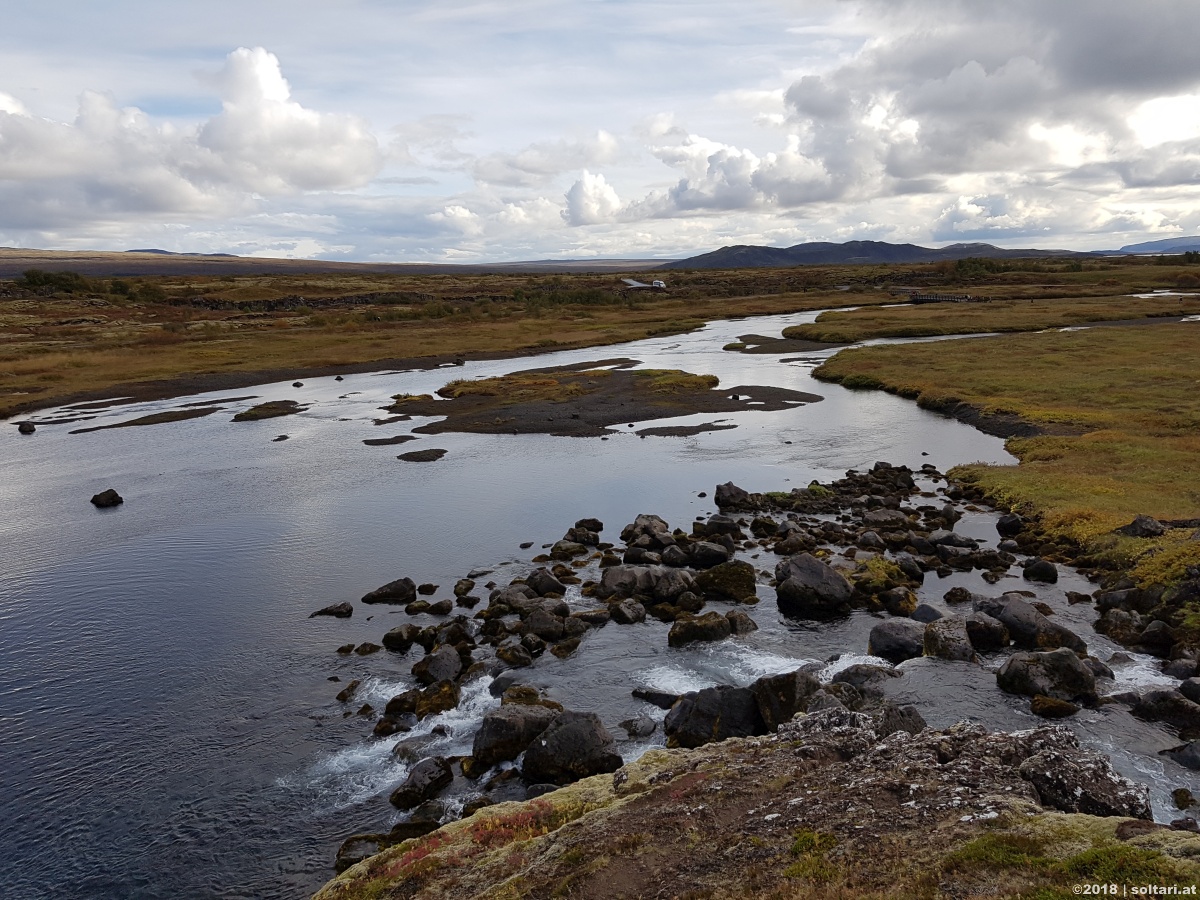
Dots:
pixel 730 496
pixel 780 697
pixel 713 714
pixel 443 664
pixel 1170 707
pixel 543 582
pixel 402 591
pixel 402 637
pixel 1075 781
pixel 947 638
pixel 1058 673
pixel 805 587
pixel 574 746
pixel 644 525
pixel 711 626
pixel 986 634
pixel 1143 527
pixel 732 581
pixel 627 612
pixel 706 554
pixel 507 731
pixel 1041 570
pixel 1028 628
pixel 424 782
pixel 897 640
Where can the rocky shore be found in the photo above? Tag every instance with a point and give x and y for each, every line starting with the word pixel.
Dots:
pixel 863 542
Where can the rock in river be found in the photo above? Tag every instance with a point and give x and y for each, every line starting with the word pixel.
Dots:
pixel 107 498
pixel 897 640
pixel 424 782
pixel 402 591
pixel 337 610
pixel 808 588
pixel 711 626
pixel 713 714
pixel 1059 674
pixel 574 746
pixel 506 732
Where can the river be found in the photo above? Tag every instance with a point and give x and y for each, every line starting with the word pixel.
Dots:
pixel 168 727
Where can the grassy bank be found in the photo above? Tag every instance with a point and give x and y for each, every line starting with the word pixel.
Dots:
pixel 76 335
pixel 975 318
pixel 1120 408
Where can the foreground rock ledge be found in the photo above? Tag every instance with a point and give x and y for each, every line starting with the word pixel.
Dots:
pixel 826 807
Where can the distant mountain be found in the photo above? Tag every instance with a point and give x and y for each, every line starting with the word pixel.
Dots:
pixel 173 253
pixel 1169 245
pixel 825 253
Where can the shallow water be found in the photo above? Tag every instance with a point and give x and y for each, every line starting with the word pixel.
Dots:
pixel 168 724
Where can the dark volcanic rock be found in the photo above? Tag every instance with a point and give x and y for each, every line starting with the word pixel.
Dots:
pixel 1040 570
pixel 986 634
pixel 401 638
pixel 507 731
pixel 1010 525
pixel 1143 527
pixel 713 714
pixel 1074 780
pixel 424 782
pixel 26 427
pixel 730 496
pixel 401 591
pixel 661 699
pixel 443 664
pixel 732 581
pixel 1027 627
pixel 897 640
pixel 574 746
pixel 1170 707
pixel 1059 674
pixel 808 588
pixel 337 610
pixel 947 638
pixel 106 499
pixel 740 621
pixel 709 627
pixel 780 697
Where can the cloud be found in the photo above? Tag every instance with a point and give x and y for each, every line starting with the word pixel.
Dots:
pixel 539 163
pixel 264 141
pixel 112 162
pixel 590 200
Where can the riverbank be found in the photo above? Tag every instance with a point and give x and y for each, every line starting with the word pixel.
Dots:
pixel 1105 428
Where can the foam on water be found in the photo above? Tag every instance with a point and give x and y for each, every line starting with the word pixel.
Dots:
pixel 1142 671
pixel 845 661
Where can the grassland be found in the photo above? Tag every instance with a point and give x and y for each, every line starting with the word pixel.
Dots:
pixel 927 320
pixel 1121 407
pixel 83 337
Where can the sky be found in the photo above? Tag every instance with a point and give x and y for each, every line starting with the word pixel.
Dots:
pixel 495 130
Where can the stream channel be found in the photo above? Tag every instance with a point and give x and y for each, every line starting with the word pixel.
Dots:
pixel 168 726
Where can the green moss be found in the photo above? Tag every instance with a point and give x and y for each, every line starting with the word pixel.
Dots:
pixel 810 849
pixel 878 574
pixel 999 851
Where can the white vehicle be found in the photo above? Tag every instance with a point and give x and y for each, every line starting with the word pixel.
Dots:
pixel 641 285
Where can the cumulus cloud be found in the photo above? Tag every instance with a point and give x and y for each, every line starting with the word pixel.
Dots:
pixel 590 201
pixel 113 162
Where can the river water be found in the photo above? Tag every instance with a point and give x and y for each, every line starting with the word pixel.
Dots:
pixel 168 727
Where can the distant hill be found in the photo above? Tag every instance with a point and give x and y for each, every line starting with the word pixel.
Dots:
pixel 1169 245
pixel 825 253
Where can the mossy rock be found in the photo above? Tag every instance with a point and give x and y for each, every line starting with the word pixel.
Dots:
pixel 733 581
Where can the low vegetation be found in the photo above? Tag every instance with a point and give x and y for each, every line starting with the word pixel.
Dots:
pixel 1119 412
pixel 66 335
pixel 928 320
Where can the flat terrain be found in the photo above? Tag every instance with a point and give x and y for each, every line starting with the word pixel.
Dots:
pixel 932 319
pixel 72 336
pixel 79 338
